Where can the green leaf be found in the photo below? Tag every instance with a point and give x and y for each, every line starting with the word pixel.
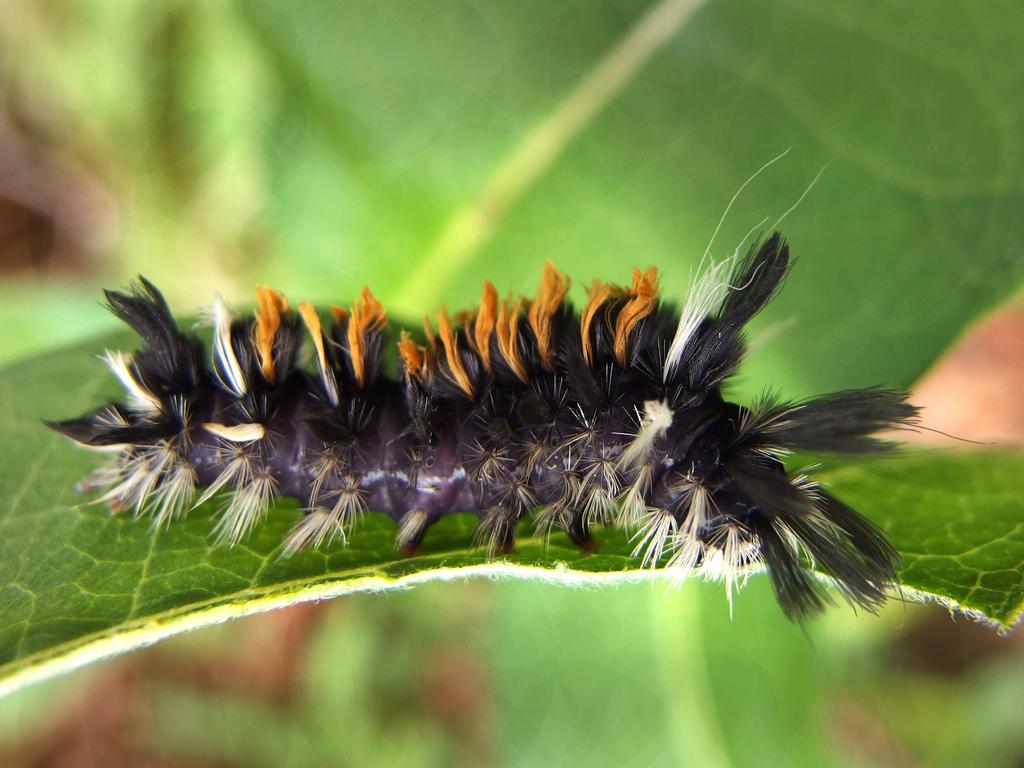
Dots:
pixel 957 520
pixel 76 584
pixel 421 150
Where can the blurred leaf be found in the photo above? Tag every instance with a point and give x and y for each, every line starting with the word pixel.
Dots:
pixel 377 666
pixel 40 319
pixel 76 583
pixel 162 124
pixel 631 675
pixel 423 148
pixel 637 676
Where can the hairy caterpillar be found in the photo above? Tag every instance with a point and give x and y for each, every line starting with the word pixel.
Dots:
pixel 613 415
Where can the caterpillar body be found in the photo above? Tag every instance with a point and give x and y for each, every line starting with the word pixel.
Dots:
pixel 610 416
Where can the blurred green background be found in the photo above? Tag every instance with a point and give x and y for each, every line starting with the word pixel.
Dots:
pixel 423 147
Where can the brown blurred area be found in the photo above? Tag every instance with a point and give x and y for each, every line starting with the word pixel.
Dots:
pixel 55 214
pixel 974 391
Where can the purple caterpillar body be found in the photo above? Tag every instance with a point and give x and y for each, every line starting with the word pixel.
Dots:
pixel 610 416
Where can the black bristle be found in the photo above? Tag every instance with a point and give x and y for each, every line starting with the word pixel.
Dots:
pixel 844 422
pixel 170 361
pixel 799 593
pixel 866 538
pixel 754 281
pixel 82 430
pixel 768 489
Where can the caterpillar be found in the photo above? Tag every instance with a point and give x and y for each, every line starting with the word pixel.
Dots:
pixel 613 415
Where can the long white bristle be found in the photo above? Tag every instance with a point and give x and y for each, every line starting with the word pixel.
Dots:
pixel 657 526
pixel 656 420
pixel 224 353
pixel 139 398
pixel 248 506
pixel 633 503
pixel 704 298
pixel 411 527
pixel 313 529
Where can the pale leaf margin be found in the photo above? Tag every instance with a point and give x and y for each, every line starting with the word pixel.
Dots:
pixel 132 635
pixel 137 634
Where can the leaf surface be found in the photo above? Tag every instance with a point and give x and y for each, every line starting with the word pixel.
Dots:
pixel 76 583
